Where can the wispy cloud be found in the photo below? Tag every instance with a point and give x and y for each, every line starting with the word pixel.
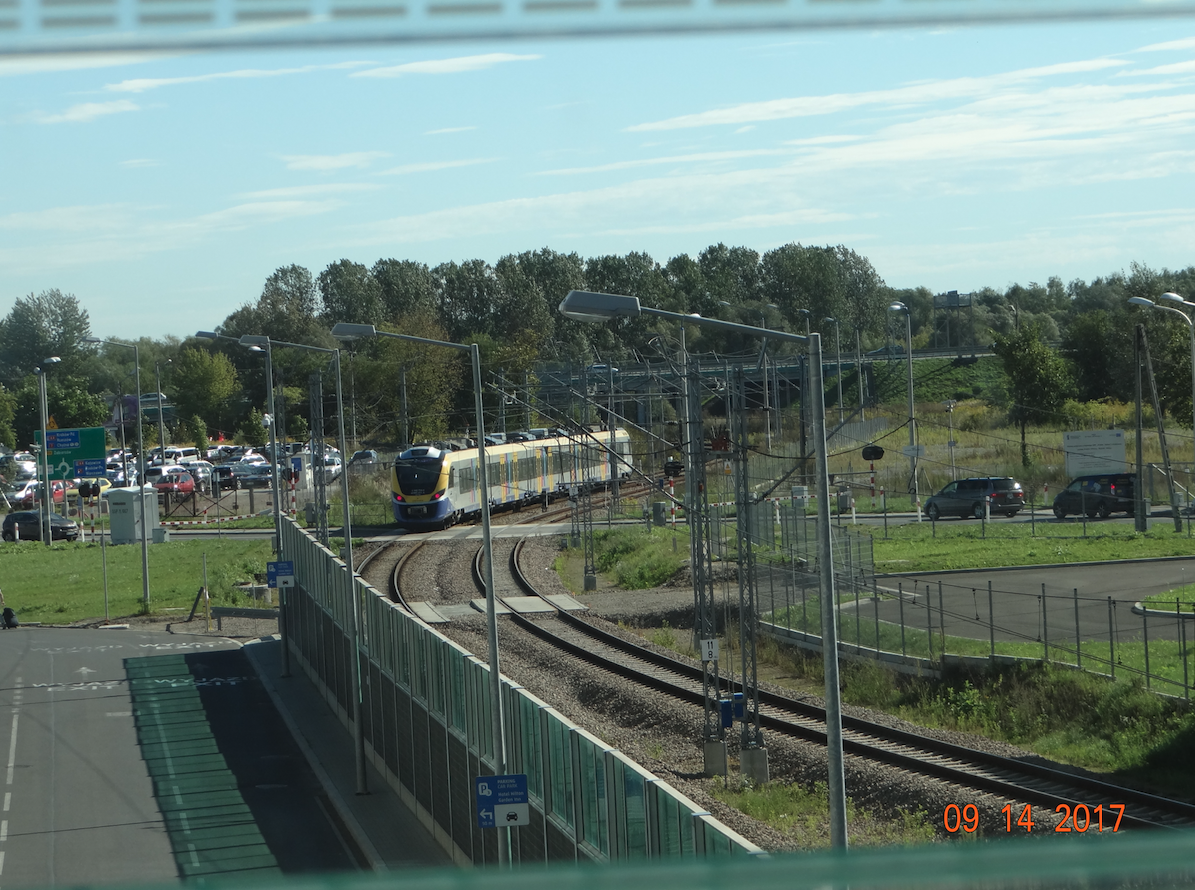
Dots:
pixel 696 158
pixel 358 159
pixel 144 84
pixel 141 162
pixel 1169 46
pixel 1162 70
pixel 910 95
pixel 311 191
pixel 71 62
pixel 432 166
pixel 89 111
pixel 445 130
pixel 454 65
pixel 76 218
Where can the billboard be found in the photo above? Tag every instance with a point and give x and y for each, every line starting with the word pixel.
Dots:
pixel 1095 451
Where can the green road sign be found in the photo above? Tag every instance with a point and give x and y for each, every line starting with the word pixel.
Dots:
pixel 68 446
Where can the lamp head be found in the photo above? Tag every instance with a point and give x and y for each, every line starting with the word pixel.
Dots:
pixel 346 331
pixel 206 335
pixel 254 340
pixel 52 360
pixel 92 340
pixel 830 320
pixel 582 305
pixel 1171 296
pixel 897 306
pixel 1142 301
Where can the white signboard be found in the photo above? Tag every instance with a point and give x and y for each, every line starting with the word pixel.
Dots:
pixel 709 650
pixel 1094 451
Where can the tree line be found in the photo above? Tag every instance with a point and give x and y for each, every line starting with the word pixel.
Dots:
pixel 509 309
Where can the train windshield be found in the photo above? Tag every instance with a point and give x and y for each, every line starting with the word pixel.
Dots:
pixel 418 473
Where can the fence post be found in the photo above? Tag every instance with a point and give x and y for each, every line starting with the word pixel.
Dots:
pixel 1045 631
pixel 1111 640
pixel 858 623
pixel 929 622
pixel 875 601
pixel 1186 677
pixel 942 617
pixel 900 597
pixel 1078 636
pixel 992 622
pixel 1145 637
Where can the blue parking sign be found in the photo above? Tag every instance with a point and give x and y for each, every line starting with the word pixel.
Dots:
pixel 502 801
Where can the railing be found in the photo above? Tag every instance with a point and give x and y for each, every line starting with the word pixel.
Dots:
pixel 425 716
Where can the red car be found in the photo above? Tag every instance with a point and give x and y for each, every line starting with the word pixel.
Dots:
pixel 177 483
pixel 29 495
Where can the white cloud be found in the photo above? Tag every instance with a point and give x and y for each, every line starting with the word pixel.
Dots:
pixel 1162 70
pixel 455 65
pixel 72 62
pixel 432 166
pixel 144 84
pixel 307 191
pixel 78 218
pixel 358 159
pixel 444 130
pixel 141 162
pixel 912 94
pixel 696 158
pixel 1170 45
pixel 89 111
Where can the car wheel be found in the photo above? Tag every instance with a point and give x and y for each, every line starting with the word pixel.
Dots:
pixel 1011 513
pixel 933 512
pixel 1104 510
pixel 9 536
pixel 977 511
pixel 1059 513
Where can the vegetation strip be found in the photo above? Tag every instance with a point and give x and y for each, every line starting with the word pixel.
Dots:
pixel 212 830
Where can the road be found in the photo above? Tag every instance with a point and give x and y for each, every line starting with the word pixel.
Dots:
pixel 147 756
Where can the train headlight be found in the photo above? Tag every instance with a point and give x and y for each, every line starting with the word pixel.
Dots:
pixel 398 497
pixel 439 494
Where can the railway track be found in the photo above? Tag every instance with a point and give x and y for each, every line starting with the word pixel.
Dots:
pixel 1015 780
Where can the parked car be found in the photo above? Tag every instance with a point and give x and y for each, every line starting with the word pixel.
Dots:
pixel 29 495
pixel 26 525
pixel 175 483
pixel 201 471
pixel 965 498
pixel 1098 495
pixel 364 458
pixel 72 490
pixel 252 474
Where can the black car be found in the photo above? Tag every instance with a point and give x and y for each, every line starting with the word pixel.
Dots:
pixel 966 497
pixel 1098 495
pixel 26 525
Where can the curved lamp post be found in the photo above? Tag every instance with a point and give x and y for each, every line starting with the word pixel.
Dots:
pixel 1176 299
pixel 140 466
pixel 901 307
pixel 598 308
pixel 43 465
pixel 347 331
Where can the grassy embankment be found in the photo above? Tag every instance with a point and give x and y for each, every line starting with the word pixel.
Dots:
pixel 1117 727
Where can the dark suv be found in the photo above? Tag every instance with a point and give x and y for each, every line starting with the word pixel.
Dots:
pixel 26 525
pixel 965 497
pixel 1098 495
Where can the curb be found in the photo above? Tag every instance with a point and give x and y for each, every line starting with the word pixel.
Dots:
pixel 1045 565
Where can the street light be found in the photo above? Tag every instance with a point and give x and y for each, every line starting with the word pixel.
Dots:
pixel 950 405
pixel 838 357
pixel 901 307
pixel 44 457
pixel 254 346
pixel 1175 298
pixel 140 466
pixel 598 308
pixel 161 419
pixel 347 331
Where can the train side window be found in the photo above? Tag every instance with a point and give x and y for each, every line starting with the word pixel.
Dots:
pixel 451 478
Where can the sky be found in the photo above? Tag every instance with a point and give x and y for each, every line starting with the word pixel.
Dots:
pixel 162 189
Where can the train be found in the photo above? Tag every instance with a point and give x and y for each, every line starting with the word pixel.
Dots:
pixel 434 488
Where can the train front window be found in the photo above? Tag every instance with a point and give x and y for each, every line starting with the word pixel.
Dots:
pixel 418 475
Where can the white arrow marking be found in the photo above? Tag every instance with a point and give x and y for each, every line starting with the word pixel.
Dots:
pixel 85 671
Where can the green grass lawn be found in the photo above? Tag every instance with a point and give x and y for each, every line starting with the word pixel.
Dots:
pixel 65 583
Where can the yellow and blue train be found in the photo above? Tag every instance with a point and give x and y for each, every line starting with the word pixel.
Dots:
pixel 433 488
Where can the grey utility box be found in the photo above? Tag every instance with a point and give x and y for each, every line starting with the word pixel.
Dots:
pixel 126 516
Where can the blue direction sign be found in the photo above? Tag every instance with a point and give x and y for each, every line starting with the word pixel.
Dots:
pixel 502 801
pixel 280 573
pixel 90 469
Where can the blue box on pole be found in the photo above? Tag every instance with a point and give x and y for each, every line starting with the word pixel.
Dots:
pixel 738 706
pixel 726 711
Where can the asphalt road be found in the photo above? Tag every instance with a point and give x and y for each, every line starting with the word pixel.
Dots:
pixel 145 756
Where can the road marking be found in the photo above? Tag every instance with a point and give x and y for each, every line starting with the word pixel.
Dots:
pixel 119 714
pixel 4 830
pixel 12 748
pixel 194 855
pixel 7 800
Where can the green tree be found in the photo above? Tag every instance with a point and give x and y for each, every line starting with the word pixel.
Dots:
pixel 1039 380
pixel 38 326
pixel 69 403
pixel 350 294
pixel 407 288
pixel 8 408
pixel 205 385
pixel 252 431
pixel 286 309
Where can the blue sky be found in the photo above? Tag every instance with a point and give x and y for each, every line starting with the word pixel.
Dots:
pixel 162 189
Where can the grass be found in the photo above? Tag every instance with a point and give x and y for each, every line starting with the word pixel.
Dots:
pixel 65 583
pixel 962 544
pixel 635 558
pixel 802 816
